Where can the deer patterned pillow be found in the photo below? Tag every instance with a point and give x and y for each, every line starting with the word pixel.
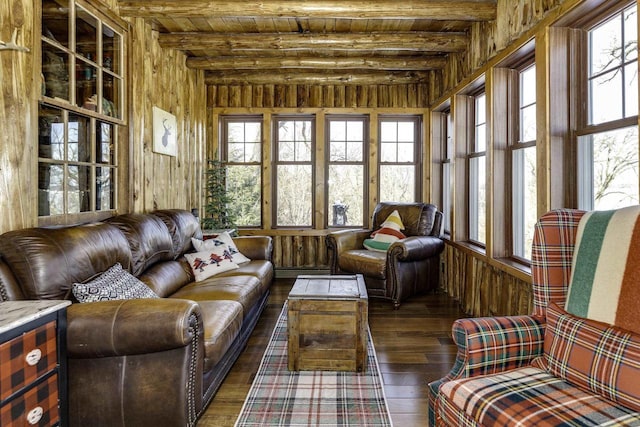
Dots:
pixel 215 243
pixel 114 284
pixel 210 262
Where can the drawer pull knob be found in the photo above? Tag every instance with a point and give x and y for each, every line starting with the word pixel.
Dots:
pixel 33 357
pixel 34 415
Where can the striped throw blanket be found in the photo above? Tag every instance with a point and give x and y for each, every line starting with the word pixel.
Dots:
pixel 606 268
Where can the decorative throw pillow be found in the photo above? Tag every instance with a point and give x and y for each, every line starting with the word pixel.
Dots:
pixel 593 356
pixel 217 243
pixel 205 264
pixel 388 233
pixel 114 284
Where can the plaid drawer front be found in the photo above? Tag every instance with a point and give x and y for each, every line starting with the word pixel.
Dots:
pixel 36 407
pixel 16 354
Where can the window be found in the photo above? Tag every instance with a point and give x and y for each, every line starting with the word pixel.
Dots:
pixel 242 138
pixel 608 140
pixel 294 190
pixel 477 172
pixel 523 165
pixel 399 154
pixel 80 111
pixel 346 170
pixel 447 172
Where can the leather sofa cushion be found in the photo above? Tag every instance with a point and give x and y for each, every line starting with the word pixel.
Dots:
pixel 222 323
pixel 246 290
pixel 46 261
pixel 149 240
pixel 182 226
pixel 363 261
pixel 166 277
pixel 261 269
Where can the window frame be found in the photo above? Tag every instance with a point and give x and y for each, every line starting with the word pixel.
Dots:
pixel 472 153
pixel 365 119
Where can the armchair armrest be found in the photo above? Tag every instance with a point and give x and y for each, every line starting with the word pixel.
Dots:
pixel 488 345
pixel 127 327
pixel 255 247
pixel 345 240
pixel 416 248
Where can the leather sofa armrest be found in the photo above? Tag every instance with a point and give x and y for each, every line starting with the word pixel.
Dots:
pixel 416 248
pixel 345 240
pixel 127 327
pixel 255 247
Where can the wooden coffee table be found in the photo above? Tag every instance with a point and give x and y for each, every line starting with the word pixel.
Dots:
pixel 328 323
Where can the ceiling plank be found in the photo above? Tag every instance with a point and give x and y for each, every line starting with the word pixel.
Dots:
pixel 406 41
pixel 466 10
pixel 362 63
pixel 285 76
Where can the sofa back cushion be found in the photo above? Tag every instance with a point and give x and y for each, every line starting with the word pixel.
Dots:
pixel 605 279
pixel 182 226
pixel 46 261
pixel 148 237
pixel 593 356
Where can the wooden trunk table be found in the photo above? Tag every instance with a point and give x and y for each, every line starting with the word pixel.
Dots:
pixel 328 324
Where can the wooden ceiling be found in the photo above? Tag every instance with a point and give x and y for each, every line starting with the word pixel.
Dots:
pixel 313 42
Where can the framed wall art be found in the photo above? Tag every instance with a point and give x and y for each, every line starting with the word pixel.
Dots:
pixel 164 133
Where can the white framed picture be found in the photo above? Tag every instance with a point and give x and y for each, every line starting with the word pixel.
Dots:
pixel 164 133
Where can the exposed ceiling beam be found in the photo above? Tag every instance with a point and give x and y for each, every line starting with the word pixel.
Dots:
pixel 465 10
pixel 400 41
pixel 362 63
pixel 264 77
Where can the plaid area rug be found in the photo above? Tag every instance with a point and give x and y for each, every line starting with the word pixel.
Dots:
pixel 279 397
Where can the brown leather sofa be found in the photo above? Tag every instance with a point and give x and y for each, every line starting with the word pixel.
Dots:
pixel 141 362
pixel 410 266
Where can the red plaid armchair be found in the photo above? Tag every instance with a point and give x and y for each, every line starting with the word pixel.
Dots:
pixel 504 373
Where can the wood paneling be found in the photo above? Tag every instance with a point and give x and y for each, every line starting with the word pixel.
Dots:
pixel 481 288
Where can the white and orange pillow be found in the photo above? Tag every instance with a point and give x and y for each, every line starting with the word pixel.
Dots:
pixel 388 233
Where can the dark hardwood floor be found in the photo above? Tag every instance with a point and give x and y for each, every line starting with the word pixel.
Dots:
pixel 413 346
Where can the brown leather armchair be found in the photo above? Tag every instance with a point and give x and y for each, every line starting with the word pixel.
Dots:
pixel 409 267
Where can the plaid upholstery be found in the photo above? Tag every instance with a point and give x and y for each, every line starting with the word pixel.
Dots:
pixel 44 395
pixel 551 257
pixel 16 372
pixel 526 397
pixel 593 356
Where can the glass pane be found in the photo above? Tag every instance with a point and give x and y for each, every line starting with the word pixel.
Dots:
pixel 303 151
pixel 111 95
pixel 50 133
pixel 236 153
pixel 294 195
pixel 285 151
pixel 244 186
pixel 235 132
pixel 55 72
pixel 303 131
pixel 253 152
pixel 388 131
pixel 446 197
pixel 631 90
pixel 286 131
pixel 477 199
pixel 631 33
pixel 524 205
pixel 481 138
pixel 606 97
pixel 86 34
pixel 111 47
pixel 528 124
pixel 481 107
pixel 337 152
pixel 105 143
pixel 86 89
pixel 397 183
pixel 615 168
pixel 388 152
pixel 79 189
pixel 79 139
pixel 406 131
pixel 606 41
pixel 253 132
pixel 337 130
pixel 105 185
pixel 50 189
pixel 355 151
pixel 55 21
pixel 346 195
pixel 405 152
pixel 355 131
pixel 528 86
